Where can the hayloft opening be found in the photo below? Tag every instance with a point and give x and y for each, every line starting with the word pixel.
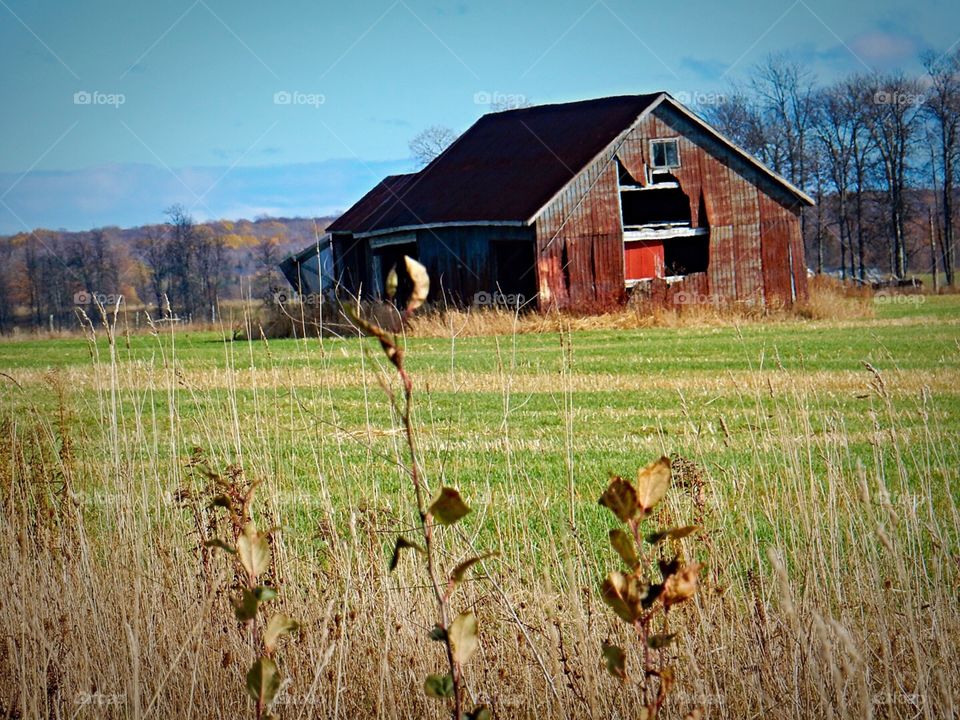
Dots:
pixel 660 240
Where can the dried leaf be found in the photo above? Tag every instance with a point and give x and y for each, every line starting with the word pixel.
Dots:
pixel 449 507
pixel 263 681
pixel 681 585
pixel 277 627
pixel 672 533
pixel 616 660
pixel 464 637
pixel 254 551
pixel 652 484
pixel 421 283
pixel 624 546
pixel 460 571
pixel 390 285
pixel 620 498
pixel 624 594
pixel 401 544
pixel 438 686
pixel 657 642
pixel 218 543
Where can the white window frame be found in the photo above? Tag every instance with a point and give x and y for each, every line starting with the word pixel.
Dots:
pixel 654 141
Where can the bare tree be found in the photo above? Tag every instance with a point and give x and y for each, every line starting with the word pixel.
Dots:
pixel 785 94
pixel 943 107
pixel 841 133
pixel 894 120
pixel 429 143
pixel 211 267
pixel 152 252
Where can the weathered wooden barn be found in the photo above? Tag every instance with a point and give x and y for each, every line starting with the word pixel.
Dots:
pixel 575 206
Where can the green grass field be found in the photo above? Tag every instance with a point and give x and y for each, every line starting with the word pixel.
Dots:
pixel 787 419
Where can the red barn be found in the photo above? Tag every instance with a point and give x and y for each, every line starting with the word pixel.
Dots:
pixel 576 205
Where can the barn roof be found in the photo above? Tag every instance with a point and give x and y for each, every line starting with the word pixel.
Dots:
pixel 505 167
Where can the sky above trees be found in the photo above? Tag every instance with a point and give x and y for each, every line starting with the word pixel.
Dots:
pixel 116 110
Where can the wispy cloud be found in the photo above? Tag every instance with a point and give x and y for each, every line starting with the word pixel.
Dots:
pixel 132 194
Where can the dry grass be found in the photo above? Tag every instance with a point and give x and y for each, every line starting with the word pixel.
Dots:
pixel 831 591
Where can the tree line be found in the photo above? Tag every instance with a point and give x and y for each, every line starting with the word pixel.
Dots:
pixel 179 269
pixel 878 152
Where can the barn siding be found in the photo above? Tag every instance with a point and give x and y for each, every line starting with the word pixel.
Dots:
pixel 753 222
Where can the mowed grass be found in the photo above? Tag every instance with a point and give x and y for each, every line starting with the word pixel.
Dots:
pixel 788 421
pixel 499 416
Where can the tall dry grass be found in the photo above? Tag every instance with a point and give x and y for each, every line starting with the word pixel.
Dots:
pixel 831 588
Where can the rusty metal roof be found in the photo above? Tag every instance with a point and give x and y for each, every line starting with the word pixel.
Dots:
pixel 508 165
pixel 503 169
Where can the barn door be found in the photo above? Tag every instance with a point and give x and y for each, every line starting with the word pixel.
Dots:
pixel 642 259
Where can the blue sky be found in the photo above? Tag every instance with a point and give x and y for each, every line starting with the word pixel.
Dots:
pixel 114 109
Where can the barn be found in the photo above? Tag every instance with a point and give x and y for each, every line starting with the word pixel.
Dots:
pixel 576 206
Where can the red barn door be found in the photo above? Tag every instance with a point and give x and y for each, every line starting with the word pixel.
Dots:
pixel 643 259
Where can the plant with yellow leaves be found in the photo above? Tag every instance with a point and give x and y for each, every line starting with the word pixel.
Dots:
pixel 635 598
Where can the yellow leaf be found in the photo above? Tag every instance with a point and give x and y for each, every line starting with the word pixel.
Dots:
pixel 464 637
pixel 681 585
pixel 278 626
pixel 421 283
pixel 652 484
pixel 253 551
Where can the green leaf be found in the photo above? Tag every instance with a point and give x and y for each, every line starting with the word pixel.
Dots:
pixel 480 712
pixel 623 544
pixel 660 641
pixel 277 627
pixel 254 551
pixel 620 498
pixel 437 633
pixel 218 543
pixel 263 681
pixel 401 544
pixel 245 607
pixel 449 507
pixel 438 686
pixel 464 637
pixel 672 533
pixel 460 570
pixel 616 660
pixel 264 593
pixel 421 283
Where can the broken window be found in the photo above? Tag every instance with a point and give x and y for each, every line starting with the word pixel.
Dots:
pixel 665 153
pixel 654 205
